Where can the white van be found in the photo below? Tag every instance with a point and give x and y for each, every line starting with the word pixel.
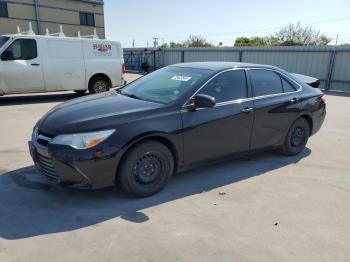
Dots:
pixel 34 63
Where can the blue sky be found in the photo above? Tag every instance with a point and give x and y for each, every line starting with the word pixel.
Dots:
pixel 220 20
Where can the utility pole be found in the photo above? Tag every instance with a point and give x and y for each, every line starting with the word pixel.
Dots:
pixel 155 42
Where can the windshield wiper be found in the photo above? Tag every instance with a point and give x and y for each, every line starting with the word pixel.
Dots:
pixel 130 95
pixel 138 97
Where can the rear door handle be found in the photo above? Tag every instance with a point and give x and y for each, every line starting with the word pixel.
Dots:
pixel 35 64
pixel 294 100
pixel 247 110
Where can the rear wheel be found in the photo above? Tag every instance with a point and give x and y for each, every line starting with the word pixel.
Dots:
pixel 98 85
pixel 297 137
pixel 146 169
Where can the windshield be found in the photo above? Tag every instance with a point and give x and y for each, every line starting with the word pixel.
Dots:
pixel 165 85
pixel 3 40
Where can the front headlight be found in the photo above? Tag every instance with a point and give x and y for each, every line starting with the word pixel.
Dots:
pixel 35 133
pixel 83 140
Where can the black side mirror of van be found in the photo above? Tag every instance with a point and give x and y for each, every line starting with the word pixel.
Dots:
pixel 7 55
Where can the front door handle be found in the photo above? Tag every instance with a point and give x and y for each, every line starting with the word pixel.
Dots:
pixel 247 110
pixel 35 64
pixel 294 100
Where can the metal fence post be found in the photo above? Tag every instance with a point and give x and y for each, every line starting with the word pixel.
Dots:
pixel 330 68
pixel 154 60
pixel 183 56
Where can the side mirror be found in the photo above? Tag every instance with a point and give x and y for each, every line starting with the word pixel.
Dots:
pixel 7 55
pixel 203 101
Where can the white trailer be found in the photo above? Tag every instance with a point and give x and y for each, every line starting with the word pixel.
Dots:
pixel 34 63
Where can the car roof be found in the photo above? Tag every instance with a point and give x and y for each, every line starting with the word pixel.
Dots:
pixel 218 66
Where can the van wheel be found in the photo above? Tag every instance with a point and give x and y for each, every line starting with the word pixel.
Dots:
pixel 98 85
pixel 146 169
pixel 80 92
pixel 297 137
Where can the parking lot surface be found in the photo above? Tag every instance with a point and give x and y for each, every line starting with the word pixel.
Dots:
pixel 268 208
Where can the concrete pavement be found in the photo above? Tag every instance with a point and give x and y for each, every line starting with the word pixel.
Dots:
pixel 276 208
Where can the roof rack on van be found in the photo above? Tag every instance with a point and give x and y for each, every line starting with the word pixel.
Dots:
pixel 59 34
pixel 94 36
pixel 29 32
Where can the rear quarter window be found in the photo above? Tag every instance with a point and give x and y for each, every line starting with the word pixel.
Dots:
pixel 287 86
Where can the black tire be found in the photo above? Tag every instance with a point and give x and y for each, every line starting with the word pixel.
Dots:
pixel 297 137
pixel 80 92
pixel 98 85
pixel 146 169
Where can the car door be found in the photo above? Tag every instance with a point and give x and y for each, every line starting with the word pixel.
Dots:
pixel 21 70
pixel 276 105
pixel 223 129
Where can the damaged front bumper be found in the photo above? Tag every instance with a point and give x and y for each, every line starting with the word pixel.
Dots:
pixel 81 169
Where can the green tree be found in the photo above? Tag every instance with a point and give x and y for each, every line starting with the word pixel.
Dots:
pixel 252 41
pixel 197 41
pixel 192 41
pixel 290 35
pixel 298 35
pixel 176 45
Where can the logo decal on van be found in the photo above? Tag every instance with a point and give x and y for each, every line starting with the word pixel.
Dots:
pixel 102 49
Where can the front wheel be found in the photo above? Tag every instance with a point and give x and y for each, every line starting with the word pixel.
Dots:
pixel 146 169
pixel 297 137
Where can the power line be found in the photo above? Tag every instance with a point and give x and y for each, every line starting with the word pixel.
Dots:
pixel 264 29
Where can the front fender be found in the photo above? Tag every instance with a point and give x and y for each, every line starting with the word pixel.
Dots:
pixel 172 141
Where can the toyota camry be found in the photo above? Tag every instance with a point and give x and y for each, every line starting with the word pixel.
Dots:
pixel 182 115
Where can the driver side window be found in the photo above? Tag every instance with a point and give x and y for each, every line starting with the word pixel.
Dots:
pixel 228 86
pixel 23 49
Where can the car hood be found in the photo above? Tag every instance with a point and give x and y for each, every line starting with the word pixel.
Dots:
pixel 94 112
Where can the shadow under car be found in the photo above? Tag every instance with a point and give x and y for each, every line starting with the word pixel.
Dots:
pixel 30 207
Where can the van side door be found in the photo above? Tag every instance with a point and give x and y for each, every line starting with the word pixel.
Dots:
pixel 64 64
pixel 21 67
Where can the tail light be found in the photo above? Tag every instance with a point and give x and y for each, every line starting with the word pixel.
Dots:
pixel 123 69
pixel 323 98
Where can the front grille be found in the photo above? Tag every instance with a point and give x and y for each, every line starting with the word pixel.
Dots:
pixel 46 167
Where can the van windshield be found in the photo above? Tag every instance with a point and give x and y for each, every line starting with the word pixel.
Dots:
pixel 165 85
pixel 3 40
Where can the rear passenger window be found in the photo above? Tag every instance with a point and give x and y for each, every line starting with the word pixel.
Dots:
pixel 287 87
pixel 228 86
pixel 266 82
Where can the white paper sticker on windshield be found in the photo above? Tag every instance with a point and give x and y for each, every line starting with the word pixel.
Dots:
pixel 181 78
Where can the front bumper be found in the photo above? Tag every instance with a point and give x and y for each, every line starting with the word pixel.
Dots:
pixel 81 169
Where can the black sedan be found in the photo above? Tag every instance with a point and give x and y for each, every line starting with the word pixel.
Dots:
pixel 177 117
